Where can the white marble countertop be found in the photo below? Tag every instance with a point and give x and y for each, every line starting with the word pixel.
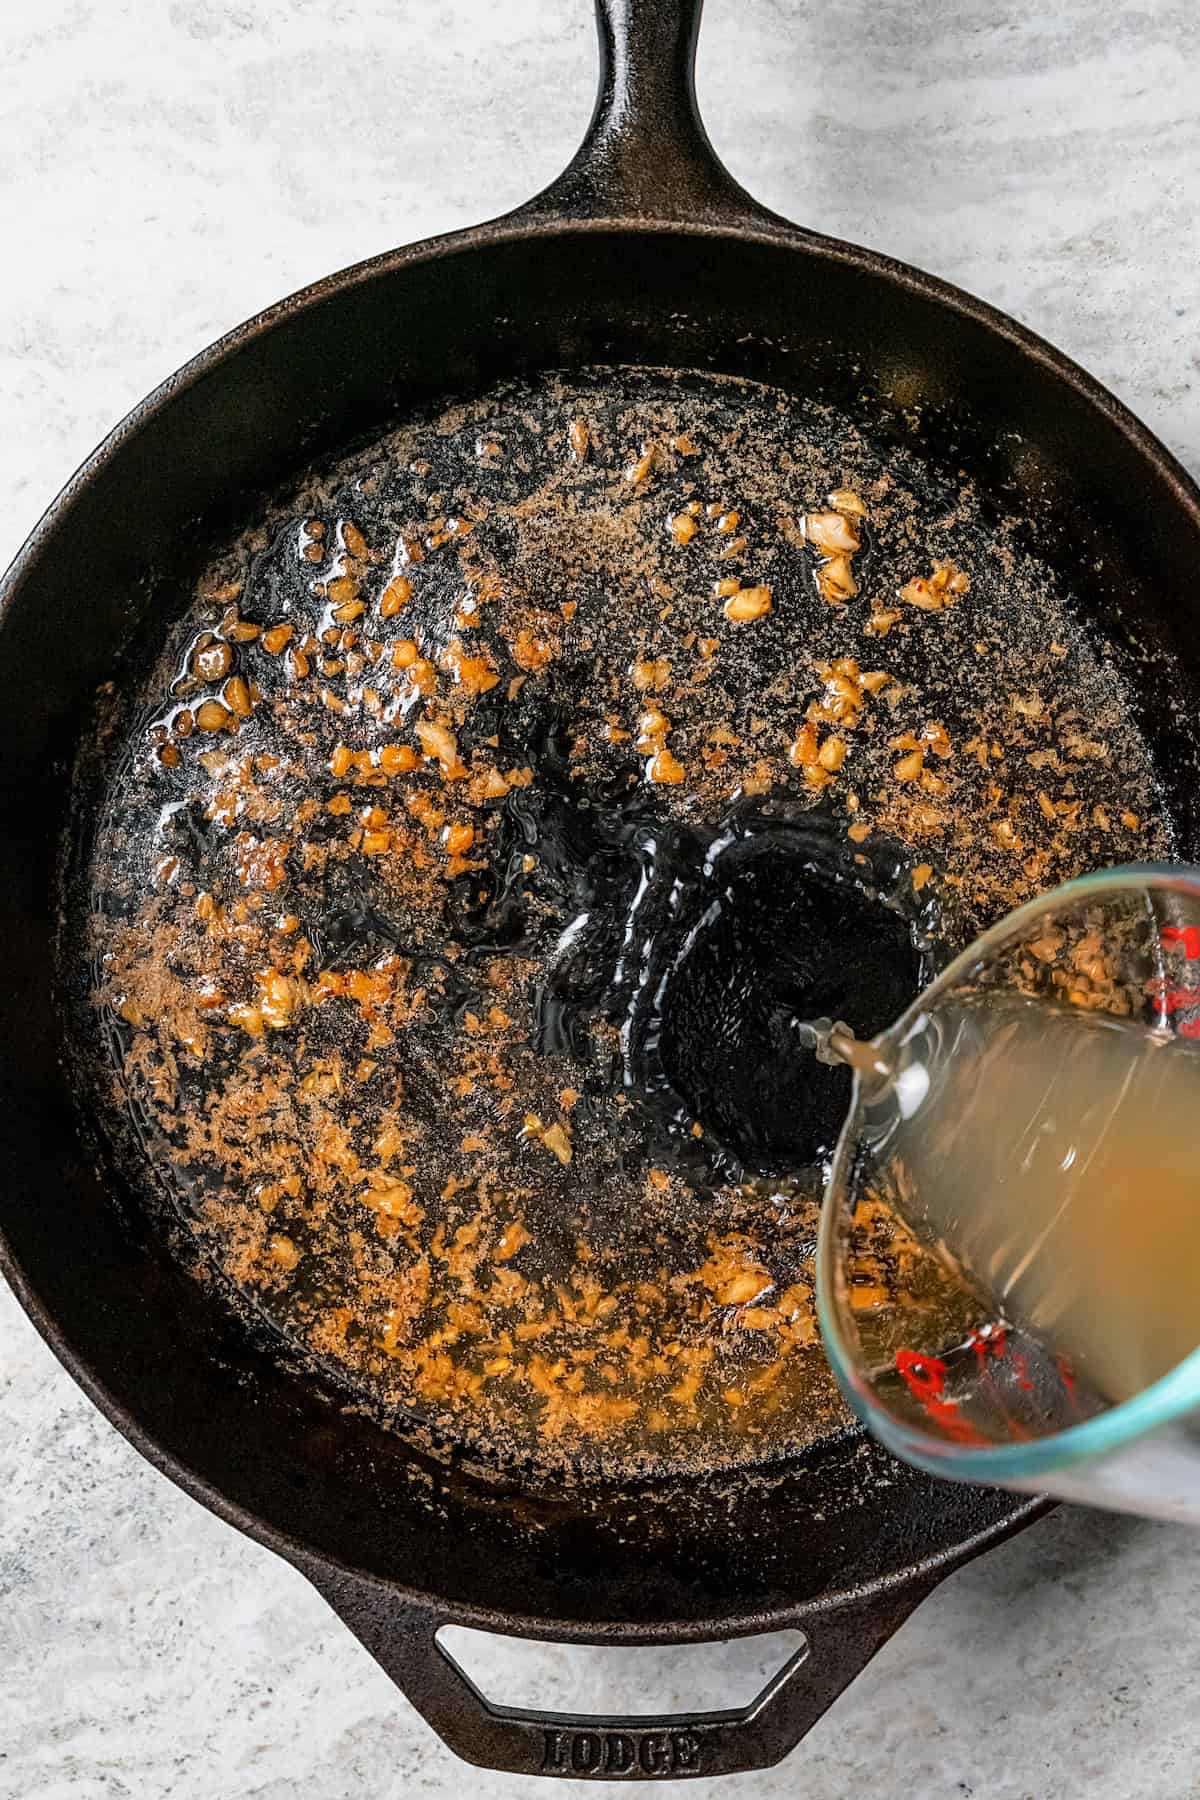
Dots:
pixel 168 167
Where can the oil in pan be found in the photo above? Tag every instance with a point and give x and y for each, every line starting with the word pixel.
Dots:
pixel 503 800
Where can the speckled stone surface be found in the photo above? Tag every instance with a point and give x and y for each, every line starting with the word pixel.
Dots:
pixel 166 168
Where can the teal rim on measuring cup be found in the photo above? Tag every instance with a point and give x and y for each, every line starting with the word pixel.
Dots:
pixel 1034 1462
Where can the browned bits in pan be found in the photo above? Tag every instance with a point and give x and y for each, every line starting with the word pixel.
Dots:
pixel 220 592
pixel 637 471
pixel 396 595
pixel 341 591
pixel 922 594
pixel 652 675
pixel 748 603
pixel 836 536
pixel 832 533
pixel 211 661
pixel 242 631
pixel 665 768
pixel 804 753
pixel 212 716
pixel 554 1137
pixel 357 852
pixel 441 744
pixel 835 580
pixel 284 1252
pixel 532 650
pixel 474 674
pixel 939 590
pixel 653 727
pixel 397 759
pixel 236 695
pixel 909 767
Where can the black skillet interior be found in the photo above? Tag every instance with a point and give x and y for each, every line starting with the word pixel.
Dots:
pixel 673 267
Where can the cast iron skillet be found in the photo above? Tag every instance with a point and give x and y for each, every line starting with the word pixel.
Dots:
pixel 644 250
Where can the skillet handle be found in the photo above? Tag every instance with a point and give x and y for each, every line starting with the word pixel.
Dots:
pixel 402 1637
pixel 646 155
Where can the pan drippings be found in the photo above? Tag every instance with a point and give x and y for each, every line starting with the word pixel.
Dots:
pixel 500 805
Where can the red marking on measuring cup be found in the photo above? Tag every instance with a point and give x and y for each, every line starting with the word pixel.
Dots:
pixel 1067 1374
pixel 925 1375
pixel 988 1340
pixel 1188 938
pixel 946 1414
pixel 926 1378
pixel 1169 997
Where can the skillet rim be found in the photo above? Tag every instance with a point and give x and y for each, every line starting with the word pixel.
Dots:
pixel 528 226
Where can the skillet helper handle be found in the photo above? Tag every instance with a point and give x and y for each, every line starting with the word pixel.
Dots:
pixel 402 1637
pixel 646 154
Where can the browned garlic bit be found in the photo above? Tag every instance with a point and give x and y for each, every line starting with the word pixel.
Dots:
pixel 556 1138
pixel 837 538
pixel 746 604
pixel 440 744
pixel 941 589
pixel 934 740
pixel 212 716
pixel 663 768
pixel 396 594
pixel 651 675
pixel 640 468
pixel 909 767
pixel 846 689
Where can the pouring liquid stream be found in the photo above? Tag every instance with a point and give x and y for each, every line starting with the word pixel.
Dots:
pixel 1047 1158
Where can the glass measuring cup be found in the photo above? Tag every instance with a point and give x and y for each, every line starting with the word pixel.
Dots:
pixel 1008 1276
